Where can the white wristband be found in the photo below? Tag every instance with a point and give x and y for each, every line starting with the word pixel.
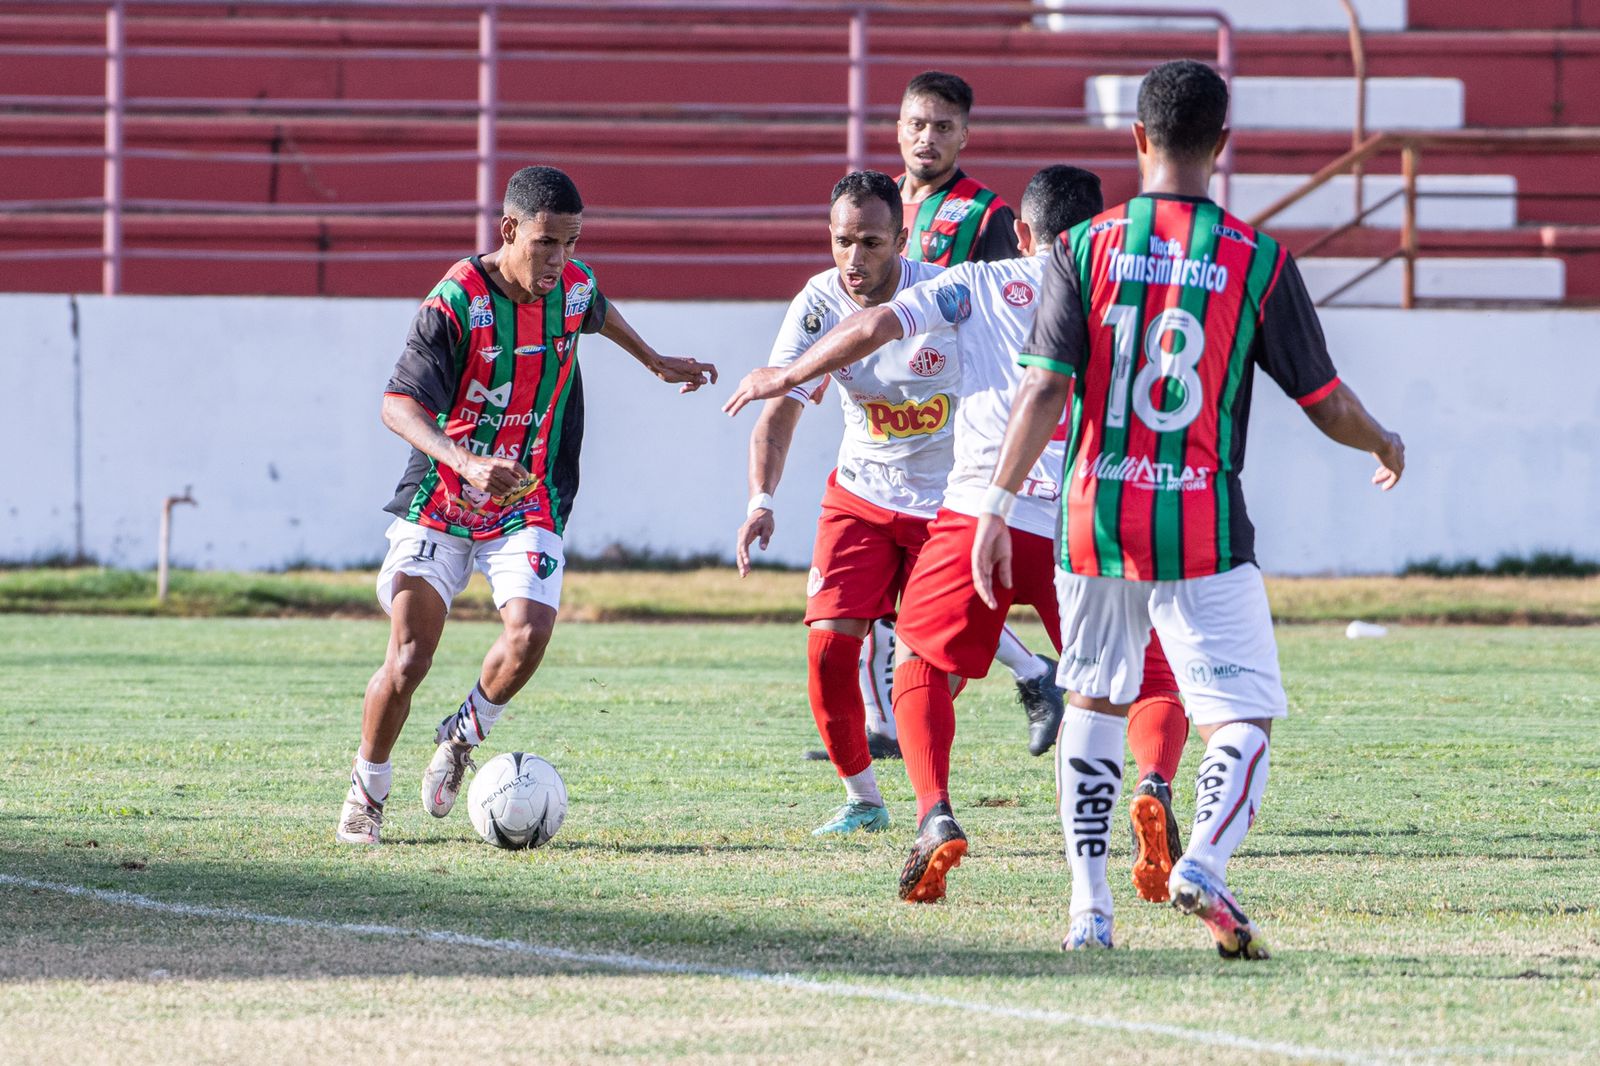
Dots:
pixel 761 501
pixel 998 502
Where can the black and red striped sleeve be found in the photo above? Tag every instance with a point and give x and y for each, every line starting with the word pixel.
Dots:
pixel 1290 346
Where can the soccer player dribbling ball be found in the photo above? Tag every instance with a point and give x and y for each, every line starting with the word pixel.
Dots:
pixel 893 460
pixel 981 312
pixel 1153 318
pixel 488 394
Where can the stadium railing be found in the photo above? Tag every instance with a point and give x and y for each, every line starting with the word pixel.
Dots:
pixel 1350 237
pixel 116 105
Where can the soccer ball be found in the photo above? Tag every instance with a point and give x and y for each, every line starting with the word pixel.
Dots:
pixel 517 801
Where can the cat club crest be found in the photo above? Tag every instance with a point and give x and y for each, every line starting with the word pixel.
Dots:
pixel 934 245
pixel 1018 293
pixel 927 362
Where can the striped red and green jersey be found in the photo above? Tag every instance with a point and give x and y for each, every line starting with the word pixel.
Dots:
pixel 1161 308
pixel 502 379
pixel 961 220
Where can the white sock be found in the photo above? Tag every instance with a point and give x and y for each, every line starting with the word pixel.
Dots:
pixel 1015 656
pixel 877 678
pixel 472 722
pixel 373 778
pixel 1088 782
pixel 1228 790
pixel 863 788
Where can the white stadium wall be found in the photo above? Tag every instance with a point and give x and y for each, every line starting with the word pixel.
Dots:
pixel 269 409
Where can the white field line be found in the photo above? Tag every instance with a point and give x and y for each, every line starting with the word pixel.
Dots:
pixel 641 964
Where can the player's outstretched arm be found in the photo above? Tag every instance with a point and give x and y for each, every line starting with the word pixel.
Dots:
pixel 850 341
pixel 409 420
pixel 1341 417
pixel 1034 417
pixel 687 373
pixel 769 448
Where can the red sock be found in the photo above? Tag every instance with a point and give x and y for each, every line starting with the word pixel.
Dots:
pixel 925 715
pixel 1157 731
pixel 835 691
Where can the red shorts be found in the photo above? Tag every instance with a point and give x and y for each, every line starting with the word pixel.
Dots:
pixel 862 556
pixel 941 617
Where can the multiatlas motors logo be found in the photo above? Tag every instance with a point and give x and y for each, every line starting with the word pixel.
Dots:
pixel 1017 293
pixel 479 314
pixel 499 396
pixel 896 421
pixel 927 362
pixel 579 297
pixel 1141 473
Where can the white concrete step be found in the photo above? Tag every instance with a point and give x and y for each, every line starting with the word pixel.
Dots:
pixel 1490 203
pixel 1244 14
pixel 1304 103
pixel 1445 279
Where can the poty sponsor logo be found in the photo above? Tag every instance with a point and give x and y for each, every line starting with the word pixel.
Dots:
pixel 1018 293
pixel 480 315
pixel 491 353
pixel 1142 473
pixel 478 392
pixel 530 349
pixel 579 297
pixel 955 302
pixel 953 210
pixel 927 362
pixel 886 421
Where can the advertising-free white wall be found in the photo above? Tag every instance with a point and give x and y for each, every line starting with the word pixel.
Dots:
pixel 268 408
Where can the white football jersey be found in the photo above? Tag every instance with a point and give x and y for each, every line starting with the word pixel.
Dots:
pixel 899 402
pixel 984 310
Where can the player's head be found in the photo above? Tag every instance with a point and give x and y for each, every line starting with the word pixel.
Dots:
pixel 1183 114
pixel 1056 199
pixel 864 222
pixel 542 215
pixel 933 124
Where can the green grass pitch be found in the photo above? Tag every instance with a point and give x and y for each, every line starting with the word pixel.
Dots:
pixel 1426 866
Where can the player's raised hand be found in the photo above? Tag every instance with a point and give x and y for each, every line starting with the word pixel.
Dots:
pixel 1391 463
pixel 762 383
pixel 681 370
pixel 497 477
pixel 760 524
pixel 991 558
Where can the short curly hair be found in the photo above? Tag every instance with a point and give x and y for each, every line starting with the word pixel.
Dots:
pixel 1184 107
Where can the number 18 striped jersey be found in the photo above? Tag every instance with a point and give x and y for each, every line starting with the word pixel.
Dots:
pixel 1161 308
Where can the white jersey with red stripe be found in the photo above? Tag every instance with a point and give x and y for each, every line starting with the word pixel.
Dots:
pixel 898 402
pixel 984 311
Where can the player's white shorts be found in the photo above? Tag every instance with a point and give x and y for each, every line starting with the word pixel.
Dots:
pixel 528 564
pixel 1216 631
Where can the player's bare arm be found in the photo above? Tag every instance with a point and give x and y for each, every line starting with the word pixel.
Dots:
pixel 690 374
pixel 410 421
pixel 769 448
pixel 1342 418
pixel 1034 417
pixel 849 342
